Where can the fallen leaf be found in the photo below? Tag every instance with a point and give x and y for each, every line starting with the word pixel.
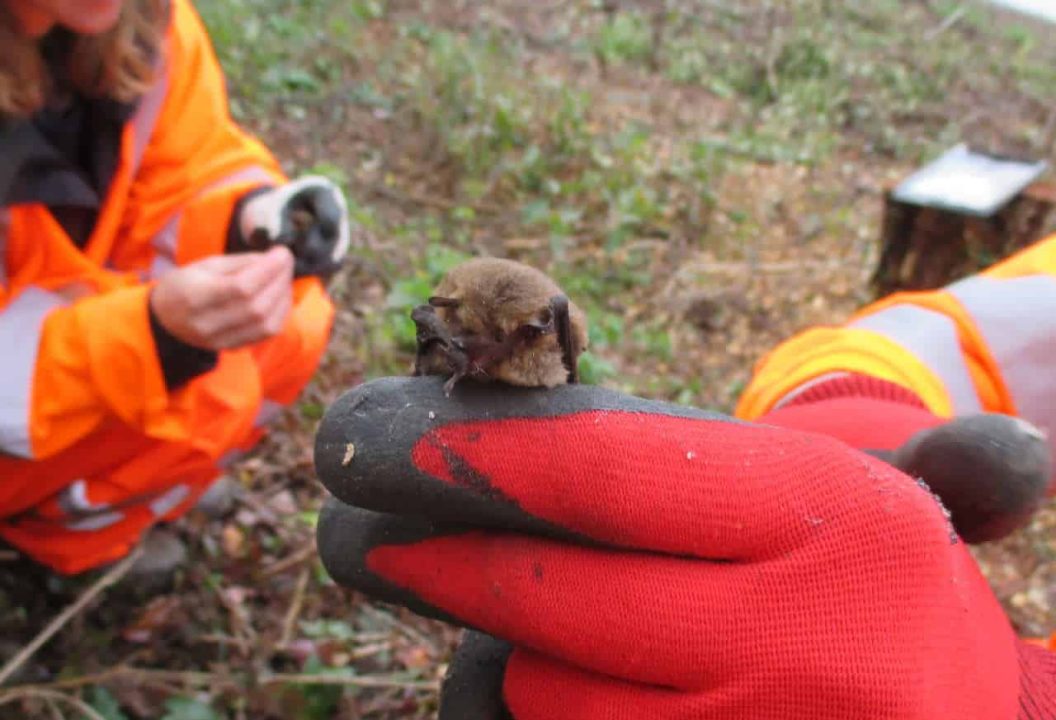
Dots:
pixel 233 540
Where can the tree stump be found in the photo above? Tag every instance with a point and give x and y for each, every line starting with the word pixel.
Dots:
pixel 924 248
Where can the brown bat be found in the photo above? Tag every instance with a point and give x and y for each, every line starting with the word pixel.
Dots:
pixel 494 319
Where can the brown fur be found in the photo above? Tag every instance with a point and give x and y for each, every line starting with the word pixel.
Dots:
pixel 495 298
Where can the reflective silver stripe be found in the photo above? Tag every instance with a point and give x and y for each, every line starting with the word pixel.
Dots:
pixel 1017 319
pixel 21 324
pixel 268 412
pixel 230 458
pixel 159 266
pixel 166 241
pixel 96 522
pixel 146 117
pixel 73 500
pixel 932 338
pixel 162 506
pixel 250 173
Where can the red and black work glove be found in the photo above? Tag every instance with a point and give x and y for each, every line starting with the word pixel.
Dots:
pixel 646 560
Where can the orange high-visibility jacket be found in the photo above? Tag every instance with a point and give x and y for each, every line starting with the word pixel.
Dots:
pixel 77 347
pixel 984 343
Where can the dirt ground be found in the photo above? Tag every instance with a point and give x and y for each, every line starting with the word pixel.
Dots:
pixel 704 180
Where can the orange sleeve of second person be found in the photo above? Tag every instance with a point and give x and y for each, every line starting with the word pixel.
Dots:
pixel 823 351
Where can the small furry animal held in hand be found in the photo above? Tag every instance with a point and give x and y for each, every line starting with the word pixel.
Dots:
pixel 495 319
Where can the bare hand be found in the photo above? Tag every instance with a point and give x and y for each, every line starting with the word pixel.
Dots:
pixel 226 301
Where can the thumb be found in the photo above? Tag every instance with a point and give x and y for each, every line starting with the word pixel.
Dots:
pixel 473 685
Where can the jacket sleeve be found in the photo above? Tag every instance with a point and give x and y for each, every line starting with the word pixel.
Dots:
pixel 80 359
pixel 983 343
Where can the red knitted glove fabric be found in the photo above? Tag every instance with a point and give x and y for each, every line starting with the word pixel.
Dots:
pixel 680 567
pixel 864 412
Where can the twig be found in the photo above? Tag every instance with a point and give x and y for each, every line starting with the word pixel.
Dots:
pixel 220 639
pixel 395 622
pixel 112 576
pixel 200 678
pixel 56 714
pixel 946 24
pixel 370 650
pixel 370 681
pixel 84 708
pixel 290 560
pixel 295 608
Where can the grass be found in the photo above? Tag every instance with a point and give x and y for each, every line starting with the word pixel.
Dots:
pixel 702 179
pixel 515 143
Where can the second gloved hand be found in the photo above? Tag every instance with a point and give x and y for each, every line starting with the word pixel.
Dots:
pixel 645 560
pixel 308 215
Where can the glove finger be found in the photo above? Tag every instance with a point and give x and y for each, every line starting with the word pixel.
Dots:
pixel 586 462
pixel 665 620
pixel 345 536
pixel 472 688
pixel 540 688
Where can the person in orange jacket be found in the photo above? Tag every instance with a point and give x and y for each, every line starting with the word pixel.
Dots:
pixel 162 283
pixel 613 557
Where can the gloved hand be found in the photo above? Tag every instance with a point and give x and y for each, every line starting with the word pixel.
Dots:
pixel 308 215
pixel 646 560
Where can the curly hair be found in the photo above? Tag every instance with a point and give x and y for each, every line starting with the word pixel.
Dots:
pixel 117 64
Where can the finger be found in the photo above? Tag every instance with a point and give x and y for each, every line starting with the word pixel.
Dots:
pixel 597 464
pixel 237 282
pixel 661 619
pixel 991 471
pixel 275 262
pixel 539 688
pixel 224 264
pixel 653 615
pixel 346 535
pixel 260 319
pixel 472 687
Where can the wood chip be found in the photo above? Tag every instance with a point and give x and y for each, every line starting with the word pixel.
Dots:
pixel 350 451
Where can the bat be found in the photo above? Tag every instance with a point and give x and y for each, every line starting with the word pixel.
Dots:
pixel 499 320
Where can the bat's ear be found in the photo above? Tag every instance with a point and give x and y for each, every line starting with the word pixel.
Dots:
pixel 563 325
pixel 437 301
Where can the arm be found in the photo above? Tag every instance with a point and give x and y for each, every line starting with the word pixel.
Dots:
pixel 979 344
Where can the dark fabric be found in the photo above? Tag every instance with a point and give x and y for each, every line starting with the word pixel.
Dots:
pixel 180 362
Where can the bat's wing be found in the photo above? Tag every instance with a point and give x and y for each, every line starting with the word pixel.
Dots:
pixel 432 335
pixel 436 343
